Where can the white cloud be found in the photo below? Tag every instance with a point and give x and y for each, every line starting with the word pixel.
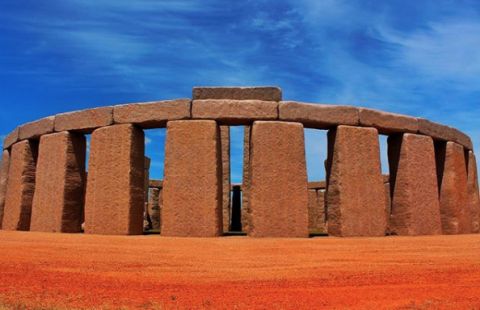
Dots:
pixel 444 51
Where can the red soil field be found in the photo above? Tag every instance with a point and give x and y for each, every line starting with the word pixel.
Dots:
pixel 63 271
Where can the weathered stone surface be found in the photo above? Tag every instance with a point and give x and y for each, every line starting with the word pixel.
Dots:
pixel 316 212
pixel 461 138
pixel 453 189
pixel 246 179
pixel 147 222
pixel 388 207
pixel 387 123
pixel 192 156
pixel 317 185
pixel 225 143
pixel 115 188
pixel 156 183
pixel 10 139
pixel 238 93
pixel 235 112
pixel 445 133
pixel 321 116
pixel 152 114
pixel 435 130
pixel 21 186
pixel 84 121
pixel 473 195
pixel 386 178
pixel 356 194
pixel 5 165
pixel 322 224
pixel 278 189
pixel 35 129
pixel 154 207
pixel 58 199
pixel 415 204
pixel 146 176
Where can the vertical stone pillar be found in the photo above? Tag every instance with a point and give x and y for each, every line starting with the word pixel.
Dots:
pixel 225 144
pixel 192 189
pixel 316 211
pixel 60 178
pixel 115 187
pixel 3 181
pixel 246 179
pixel 312 211
pixel 154 204
pixel 415 204
pixel 278 180
pixel 473 195
pixel 147 221
pixel 21 186
pixel 322 227
pixel 388 207
pixel 454 211
pixel 355 192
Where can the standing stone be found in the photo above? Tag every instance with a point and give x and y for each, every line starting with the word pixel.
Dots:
pixel 115 187
pixel 21 186
pixel 3 181
pixel 473 196
pixel 316 212
pixel 355 192
pixel 192 189
pixel 454 210
pixel 388 207
pixel 312 210
pixel 415 204
pixel 246 179
pixel 154 205
pixel 58 199
pixel 225 139
pixel 147 222
pixel 278 180
pixel 322 225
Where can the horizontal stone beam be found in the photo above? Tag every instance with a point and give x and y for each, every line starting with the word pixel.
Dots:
pixel 444 133
pixel 85 121
pixel 236 106
pixel 267 93
pixel 234 112
pixel 11 139
pixel 320 116
pixel 317 185
pixel 156 184
pixel 152 114
pixel 387 123
pixel 35 130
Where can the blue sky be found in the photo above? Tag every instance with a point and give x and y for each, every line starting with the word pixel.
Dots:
pixel 414 57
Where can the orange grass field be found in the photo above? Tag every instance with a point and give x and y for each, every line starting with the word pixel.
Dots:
pixel 62 271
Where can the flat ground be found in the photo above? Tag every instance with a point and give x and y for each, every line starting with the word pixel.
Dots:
pixel 83 271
